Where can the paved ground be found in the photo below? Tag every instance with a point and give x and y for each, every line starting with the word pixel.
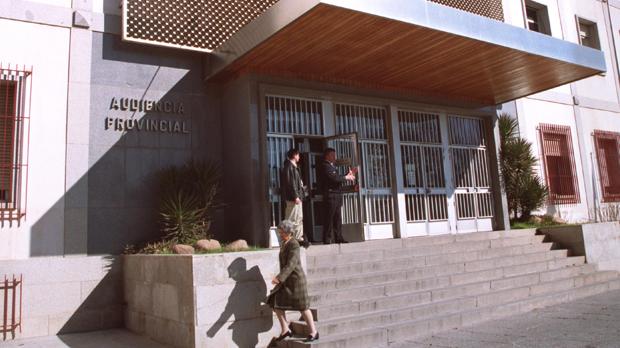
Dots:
pixel 98 339
pixel 592 322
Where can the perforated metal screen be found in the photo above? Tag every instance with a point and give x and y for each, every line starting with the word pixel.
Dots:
pixel 200 25
pixel 488 8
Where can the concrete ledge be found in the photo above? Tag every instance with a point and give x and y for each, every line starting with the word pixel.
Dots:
pixel 598 242
pixel 202 300
pixel 68 294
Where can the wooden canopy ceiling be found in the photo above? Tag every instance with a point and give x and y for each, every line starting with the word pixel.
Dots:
pixel 337 45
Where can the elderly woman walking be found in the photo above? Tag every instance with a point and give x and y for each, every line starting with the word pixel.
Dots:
pixel 290 291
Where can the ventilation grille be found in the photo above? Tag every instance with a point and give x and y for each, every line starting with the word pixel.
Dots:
pixel 487 8
pixel 200 25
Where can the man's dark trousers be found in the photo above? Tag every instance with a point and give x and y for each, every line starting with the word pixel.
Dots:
pixel 332 225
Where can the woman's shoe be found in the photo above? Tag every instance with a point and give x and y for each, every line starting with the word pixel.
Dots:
pixel 312 338
pixel 289 333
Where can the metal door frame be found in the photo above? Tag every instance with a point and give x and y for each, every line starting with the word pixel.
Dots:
pixel 373 197
pixel 328 101
pixel 477 222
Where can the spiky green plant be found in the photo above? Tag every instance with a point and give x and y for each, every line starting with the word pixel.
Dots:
pixel 525 190
pixel 188 200
pixel 181 217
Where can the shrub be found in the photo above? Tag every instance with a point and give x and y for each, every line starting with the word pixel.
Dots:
pixel 525 190
pixel 187 200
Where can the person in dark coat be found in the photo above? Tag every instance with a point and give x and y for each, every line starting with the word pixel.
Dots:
pixel 292 190
pixel 290 291
pixel 331 183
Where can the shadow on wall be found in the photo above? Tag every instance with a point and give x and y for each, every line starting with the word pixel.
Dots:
pixel 245 304
pixel 113 203
pixel 103 308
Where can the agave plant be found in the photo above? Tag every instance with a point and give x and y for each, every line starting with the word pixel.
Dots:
pixel 188 199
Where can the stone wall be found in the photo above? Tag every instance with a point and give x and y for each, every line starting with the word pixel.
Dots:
pixel 68 294
pixel 598 242
pixel 202 300
pixel 159 295
pixel 602 243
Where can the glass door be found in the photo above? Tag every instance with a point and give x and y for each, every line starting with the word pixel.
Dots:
pixel 370 123
pixel 422 157
pixel 346 146
pixel 470 171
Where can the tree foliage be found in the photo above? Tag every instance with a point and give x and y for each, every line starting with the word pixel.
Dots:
pixel 524 188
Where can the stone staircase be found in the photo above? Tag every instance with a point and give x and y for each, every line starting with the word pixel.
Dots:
pixel 375 293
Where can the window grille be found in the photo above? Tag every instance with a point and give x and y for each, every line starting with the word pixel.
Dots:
pixel 466 131
pixel 607 146
pixel 11 305
pixel 559 162
pixel 288 115
pixel 488 8
pixel 470 167
pixel 422 165
pixel 370 123
pixel 15 90
pixel 419 127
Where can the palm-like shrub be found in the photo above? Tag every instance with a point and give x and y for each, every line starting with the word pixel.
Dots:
pixel 525 190
pixel 188 200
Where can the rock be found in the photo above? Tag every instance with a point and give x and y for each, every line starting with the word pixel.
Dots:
pixel 208 244
pixel 559 220
pixel 536 219
pixel 182 249
pixel 237 245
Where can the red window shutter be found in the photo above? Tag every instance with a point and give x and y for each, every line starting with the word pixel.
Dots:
pixel 559 162
pixel 15 91
pixel 8 97
pixel 607 146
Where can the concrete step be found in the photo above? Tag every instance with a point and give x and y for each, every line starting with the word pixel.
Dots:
pixel 374 245
pixel 391 271
pixel 351 333
pixel 344 305
pixel 419 279
pixel 361 308
pixel 396 248
pixel 370 265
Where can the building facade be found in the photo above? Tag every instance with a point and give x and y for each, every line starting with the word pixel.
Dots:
pixel 97 96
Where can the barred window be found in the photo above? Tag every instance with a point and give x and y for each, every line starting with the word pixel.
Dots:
pixel 559 164
pixel 14 122
pixel 607 146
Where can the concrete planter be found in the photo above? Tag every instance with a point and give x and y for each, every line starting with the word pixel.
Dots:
pixel 201 300
pixel 598 242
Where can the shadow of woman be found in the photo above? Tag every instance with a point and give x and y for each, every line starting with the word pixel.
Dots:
pixel 245 304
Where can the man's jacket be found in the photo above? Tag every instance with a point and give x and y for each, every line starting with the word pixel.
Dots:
pixel 331 180
pixel 290 182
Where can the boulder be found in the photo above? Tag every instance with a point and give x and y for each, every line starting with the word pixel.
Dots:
pixel 237 245
pixel 559 220
pixel 208 244
pixel 182 249
pixel 536 219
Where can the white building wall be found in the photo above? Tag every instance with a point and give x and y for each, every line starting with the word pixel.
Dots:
pixel 585 105
pixel 536 112
pixel 47 53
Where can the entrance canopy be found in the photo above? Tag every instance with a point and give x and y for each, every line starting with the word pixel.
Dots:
pixel 412 46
